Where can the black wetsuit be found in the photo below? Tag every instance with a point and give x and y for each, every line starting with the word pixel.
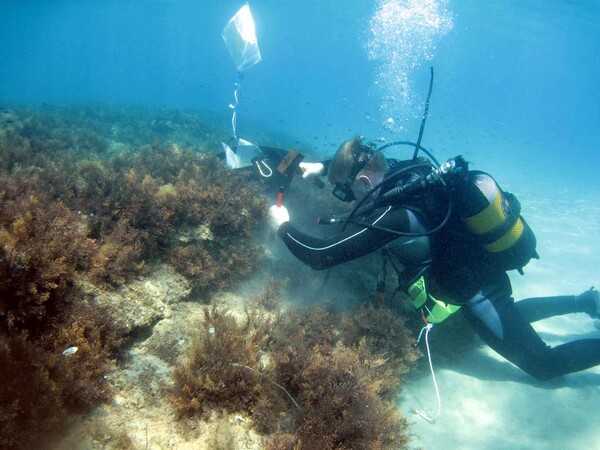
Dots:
pixel 460 271
pixel 355 241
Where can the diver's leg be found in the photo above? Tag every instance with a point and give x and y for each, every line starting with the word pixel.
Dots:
pixel 539 308
pixel 493 315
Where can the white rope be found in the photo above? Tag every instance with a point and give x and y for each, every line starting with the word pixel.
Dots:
pixel 426 330
pixel 234 107
pixel 265 175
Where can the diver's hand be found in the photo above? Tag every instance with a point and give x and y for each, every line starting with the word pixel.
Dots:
pixel 278 215
pixel 591 297
pixel 311 169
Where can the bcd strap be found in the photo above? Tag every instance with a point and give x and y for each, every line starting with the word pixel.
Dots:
pixel 437 311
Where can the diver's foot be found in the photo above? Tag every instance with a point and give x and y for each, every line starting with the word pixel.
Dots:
pixel 591 297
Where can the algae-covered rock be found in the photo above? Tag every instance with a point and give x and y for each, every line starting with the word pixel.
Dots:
pixel 142 302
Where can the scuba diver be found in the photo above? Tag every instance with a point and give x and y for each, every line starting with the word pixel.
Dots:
pixel 451 234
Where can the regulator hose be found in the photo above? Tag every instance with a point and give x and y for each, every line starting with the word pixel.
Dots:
pixel 362 209
pixel 424 117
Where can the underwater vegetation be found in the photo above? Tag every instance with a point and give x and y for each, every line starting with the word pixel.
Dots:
pixel 215 375
pixel 93 203
pixel 307 378
pixel 105 130
pixel 79 205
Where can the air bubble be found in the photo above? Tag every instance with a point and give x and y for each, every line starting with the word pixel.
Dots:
pixel 404 34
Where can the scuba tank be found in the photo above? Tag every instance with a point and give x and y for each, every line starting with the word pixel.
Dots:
pixel 493 217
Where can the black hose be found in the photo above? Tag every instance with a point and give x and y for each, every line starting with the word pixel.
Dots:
pixel 412 144
pixel 362 209
pixel 434 230
pixel 374 204
pixel 424 117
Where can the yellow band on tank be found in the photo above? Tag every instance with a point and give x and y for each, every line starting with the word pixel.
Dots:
pixel 489 219
pixel 508 239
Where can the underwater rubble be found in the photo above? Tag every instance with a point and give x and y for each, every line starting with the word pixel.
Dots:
pixel 124 323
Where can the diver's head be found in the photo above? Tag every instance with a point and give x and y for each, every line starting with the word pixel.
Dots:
pixel 355 169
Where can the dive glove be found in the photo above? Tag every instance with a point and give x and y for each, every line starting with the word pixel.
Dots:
pixel 591 298
pixel 311 169
pixel 278 215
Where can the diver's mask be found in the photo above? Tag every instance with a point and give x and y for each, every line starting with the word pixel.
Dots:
pixel 343 191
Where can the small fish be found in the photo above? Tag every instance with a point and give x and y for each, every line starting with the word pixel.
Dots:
pixel 70 351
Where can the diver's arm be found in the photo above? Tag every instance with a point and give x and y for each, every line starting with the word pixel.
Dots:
pixel 355 241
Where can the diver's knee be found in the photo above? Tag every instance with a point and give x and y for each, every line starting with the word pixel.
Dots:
pixel 540 375
pixel 540 369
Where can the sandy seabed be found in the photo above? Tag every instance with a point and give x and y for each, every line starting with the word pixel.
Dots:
pixel 487 403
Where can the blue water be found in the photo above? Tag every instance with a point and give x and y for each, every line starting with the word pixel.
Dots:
pixel 515 91
pixel 514 80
